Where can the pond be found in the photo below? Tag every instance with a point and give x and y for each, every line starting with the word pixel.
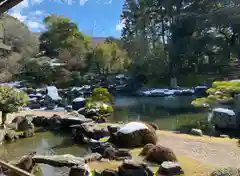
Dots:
pixel 169 113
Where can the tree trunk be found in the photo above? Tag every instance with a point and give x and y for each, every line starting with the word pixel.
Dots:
pixel 4 118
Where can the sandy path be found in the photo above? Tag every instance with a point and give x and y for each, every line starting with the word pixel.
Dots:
pixel 224 153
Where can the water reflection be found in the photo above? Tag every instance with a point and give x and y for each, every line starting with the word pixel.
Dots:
pixel 45 143
pixel 167 112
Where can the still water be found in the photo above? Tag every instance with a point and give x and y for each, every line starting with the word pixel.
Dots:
pixel 167 112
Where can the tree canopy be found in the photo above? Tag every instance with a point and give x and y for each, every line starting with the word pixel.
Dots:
pixel 187 37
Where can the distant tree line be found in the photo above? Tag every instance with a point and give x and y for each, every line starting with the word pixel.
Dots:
pixel 191 40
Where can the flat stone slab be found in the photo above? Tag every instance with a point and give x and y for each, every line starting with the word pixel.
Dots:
pixel 59 160
pixel 73 120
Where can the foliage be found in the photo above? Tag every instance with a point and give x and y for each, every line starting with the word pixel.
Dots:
pixel 18 36
pixel 109 58
pixel 62 39
pixel 195 37
pixel 37 73
pixel 221 91
pixel 101 95
pixel 101 101
pixel 100 107
pixel 11 99
pixel 76 78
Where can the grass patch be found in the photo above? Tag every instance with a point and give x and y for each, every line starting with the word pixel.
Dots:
pixel 190 166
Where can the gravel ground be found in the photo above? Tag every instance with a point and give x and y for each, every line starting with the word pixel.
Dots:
pixel 219 154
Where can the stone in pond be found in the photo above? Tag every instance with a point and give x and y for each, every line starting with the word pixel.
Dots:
pixel 134 134
pixel 26 162
pixel 59 160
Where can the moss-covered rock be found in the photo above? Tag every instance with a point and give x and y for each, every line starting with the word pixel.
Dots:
pixel 158 154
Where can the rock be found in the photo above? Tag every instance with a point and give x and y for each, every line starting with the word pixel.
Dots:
pixel 80 170
pixel 132 168
pixel 158 154
pixel 92 131
pixel 23 123
pixel 73 120
pixel 224 136
pixel 146 149
pixel 59 160
pixel 39 120
pixel 92 157
pixel 109 172
pixel 223 118
pixel 196 132
pixel 134 134
pixel 28 133
pixel 25 163
pixel 55 121
pixel 155 126
pixel 100 147
pixel 112 153
pixel 113 129
pixel 170 168
pixel 10 136
pixel 69 109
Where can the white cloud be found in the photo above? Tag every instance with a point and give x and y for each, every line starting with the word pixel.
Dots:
pixel 19 16
pixel 36 1
pixel 35 25
pixel 83 2
pixel 30 18
pixel 120 25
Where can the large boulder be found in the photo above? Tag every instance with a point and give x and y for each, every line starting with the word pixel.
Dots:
pixel 158 154
pixel 22 123
pixel 223 118
pixel 134 134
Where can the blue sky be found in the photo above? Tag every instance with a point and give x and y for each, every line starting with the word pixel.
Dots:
pixel 94 17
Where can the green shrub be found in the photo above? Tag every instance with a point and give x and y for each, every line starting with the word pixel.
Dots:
pixel 221 91
pixel 11 99
pixel 101 95
pixel 101 101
